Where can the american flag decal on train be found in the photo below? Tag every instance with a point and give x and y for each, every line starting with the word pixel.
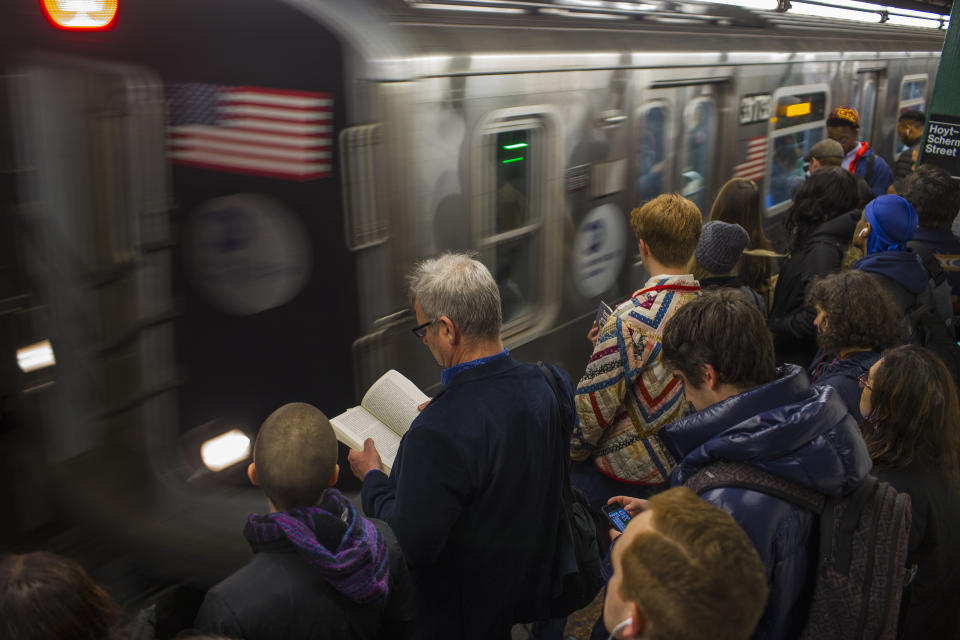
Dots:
pixel 756 164
pixel 253 130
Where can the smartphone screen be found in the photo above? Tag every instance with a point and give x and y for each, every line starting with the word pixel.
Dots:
pixel 616 515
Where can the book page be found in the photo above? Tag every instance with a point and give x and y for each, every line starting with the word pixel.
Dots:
pixel 394 400
pixel 357 424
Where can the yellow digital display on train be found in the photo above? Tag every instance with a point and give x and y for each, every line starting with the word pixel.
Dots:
pixel 794 110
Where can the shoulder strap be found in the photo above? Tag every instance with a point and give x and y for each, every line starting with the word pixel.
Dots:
pixel 565 485
pixel 930 263
pixel 870 160
pixel 743 476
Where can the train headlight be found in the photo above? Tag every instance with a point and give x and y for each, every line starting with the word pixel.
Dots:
pixel 38 355
pixel 224 450
pixel 80 15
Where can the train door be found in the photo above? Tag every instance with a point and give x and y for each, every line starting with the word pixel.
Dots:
pixel 866 88
pixel 94 201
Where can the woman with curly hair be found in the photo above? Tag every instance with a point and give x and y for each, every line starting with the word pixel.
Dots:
pixel 856 319
pixel 739 203
pixel 912 430
pixel 820 224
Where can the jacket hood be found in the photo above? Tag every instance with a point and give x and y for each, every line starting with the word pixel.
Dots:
pixel 787 428
pixel 900 266
pixel 839 229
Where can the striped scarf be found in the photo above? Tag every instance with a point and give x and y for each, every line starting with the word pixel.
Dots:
pixel 357 568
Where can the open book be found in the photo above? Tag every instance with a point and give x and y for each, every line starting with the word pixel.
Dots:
pixel 385 413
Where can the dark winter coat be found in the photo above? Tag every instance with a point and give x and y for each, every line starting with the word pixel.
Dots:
pixel 792 430
pixel 474 498
pixel 931 607
pixel 278 594
pixel 875 171
pixel 843 375
pixel 791 320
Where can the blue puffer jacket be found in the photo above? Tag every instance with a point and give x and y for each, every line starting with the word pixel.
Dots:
pixel 844 376
pixel 793 431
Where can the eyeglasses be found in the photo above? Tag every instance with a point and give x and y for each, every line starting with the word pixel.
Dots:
pixel 864 381
pixel 421 329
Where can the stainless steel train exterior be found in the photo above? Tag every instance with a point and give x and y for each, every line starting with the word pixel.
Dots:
pixel 215 203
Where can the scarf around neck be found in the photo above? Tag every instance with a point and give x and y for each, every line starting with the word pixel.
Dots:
pixel 357 568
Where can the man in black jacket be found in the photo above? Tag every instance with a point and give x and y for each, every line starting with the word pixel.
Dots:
pixel 320 570
pixel 474 493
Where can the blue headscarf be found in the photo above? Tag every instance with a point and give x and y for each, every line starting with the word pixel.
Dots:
pixel 893 221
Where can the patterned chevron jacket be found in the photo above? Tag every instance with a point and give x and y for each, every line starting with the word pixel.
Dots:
pixel 626 394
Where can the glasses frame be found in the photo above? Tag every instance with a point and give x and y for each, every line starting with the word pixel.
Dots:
pixel 864 381
pixel 421 329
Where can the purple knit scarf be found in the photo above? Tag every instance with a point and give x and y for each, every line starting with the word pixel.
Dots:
pixel 358 568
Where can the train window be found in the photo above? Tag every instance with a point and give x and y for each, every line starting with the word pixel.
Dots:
pixel 510 224
pixel 798 123
pixel 868 100
pixel 795 109
pixel 697 146
pixel 651 151
pixel 913 95
pixel 913 88
pixel 513 180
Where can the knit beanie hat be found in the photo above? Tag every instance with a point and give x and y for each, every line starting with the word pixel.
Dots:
pixel 720 246
pixel 893 221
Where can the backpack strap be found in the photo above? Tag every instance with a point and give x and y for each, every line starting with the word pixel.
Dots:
pixel 871 159
pixel 934 269
pixel 723 473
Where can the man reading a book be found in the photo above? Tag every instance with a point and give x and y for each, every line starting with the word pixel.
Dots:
pixel 626 394
pixel 474 493
pixel 317 563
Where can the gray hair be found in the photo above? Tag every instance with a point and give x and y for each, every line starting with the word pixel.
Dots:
pixel 459 287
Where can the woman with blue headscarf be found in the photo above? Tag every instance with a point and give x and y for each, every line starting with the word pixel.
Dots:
pixel 891 222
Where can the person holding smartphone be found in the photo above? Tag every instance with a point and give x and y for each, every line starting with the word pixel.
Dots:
pixel 682 568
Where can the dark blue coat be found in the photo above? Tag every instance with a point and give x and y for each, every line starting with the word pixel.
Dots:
pixel 474 498
pixel 879 176
pixel 843 375
pixel 946 247
pixel 793 431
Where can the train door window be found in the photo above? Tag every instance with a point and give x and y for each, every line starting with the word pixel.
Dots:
pixel 866 104
pixel 652 168
pixel 913 95
pixel 798 123
pixel 509 227
pixel 698 135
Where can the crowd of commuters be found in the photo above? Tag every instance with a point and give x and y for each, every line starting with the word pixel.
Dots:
pixel 814 376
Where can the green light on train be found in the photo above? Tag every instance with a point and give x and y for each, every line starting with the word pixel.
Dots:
pixel 519 145
pixel 513 160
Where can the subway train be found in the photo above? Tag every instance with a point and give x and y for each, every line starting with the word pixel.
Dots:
pixel 210 206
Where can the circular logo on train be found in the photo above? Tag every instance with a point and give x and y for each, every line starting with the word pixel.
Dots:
pixel 246 253
pixel 599 250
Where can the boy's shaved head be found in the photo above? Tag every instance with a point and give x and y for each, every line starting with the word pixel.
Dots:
pixel 295 456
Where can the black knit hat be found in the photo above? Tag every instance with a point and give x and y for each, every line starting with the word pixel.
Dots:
pixel 721 245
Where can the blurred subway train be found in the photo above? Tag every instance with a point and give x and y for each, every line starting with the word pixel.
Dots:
pixel 210 207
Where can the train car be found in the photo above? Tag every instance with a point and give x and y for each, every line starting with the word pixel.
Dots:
pixel 213 203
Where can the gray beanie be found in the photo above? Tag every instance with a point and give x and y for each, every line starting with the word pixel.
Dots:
pixel 720 246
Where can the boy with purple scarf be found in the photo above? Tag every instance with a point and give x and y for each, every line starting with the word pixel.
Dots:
pixel 319 568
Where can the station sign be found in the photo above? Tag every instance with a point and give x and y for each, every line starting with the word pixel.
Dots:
pixel 942 144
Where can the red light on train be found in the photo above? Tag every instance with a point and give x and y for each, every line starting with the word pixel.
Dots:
pixel 80 15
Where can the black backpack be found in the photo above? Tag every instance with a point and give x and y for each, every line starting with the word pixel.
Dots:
pixel 861 564
pixel 582 526
pixel 927 327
